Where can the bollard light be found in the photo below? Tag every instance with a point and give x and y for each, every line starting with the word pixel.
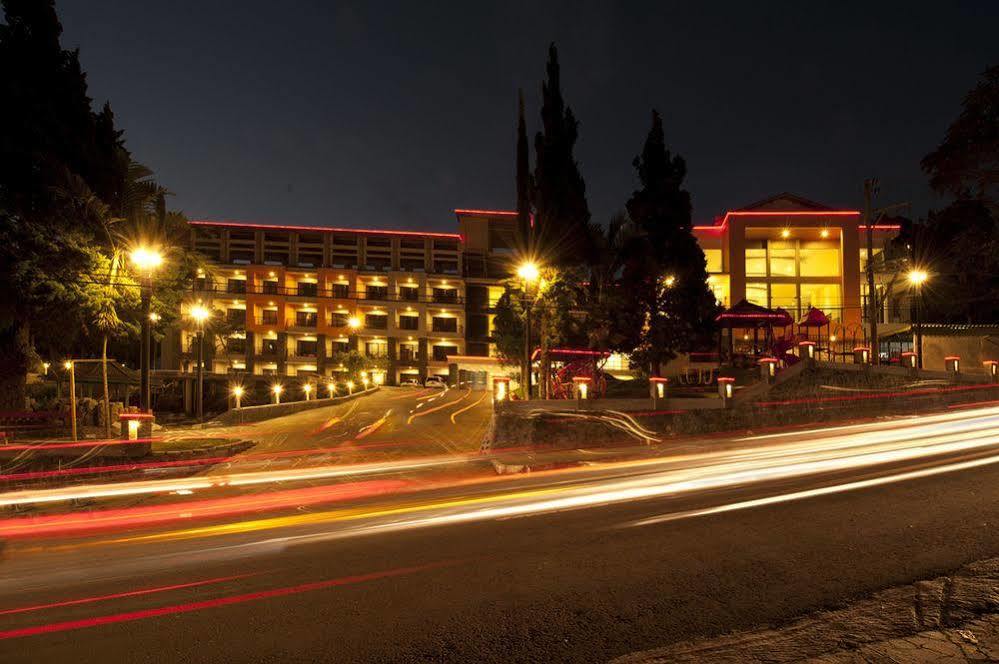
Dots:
pixel 953 364
pixel 277 389
pixel 45 366
pixel 307 388
pixel 350 387
pixel 658 386
pixel 379 377
pixel 582 387
pixel 726 387
pixel 365 381
pixel 862 355
pixel 806 350
pixel 909 359
pixel 992 369
pixel 237 394
pixel 768 368
pixel 133 429
pixel 331 386
pixel 501 389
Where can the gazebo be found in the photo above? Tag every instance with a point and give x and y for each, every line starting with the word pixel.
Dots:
pixel 814 319
pixel 744 316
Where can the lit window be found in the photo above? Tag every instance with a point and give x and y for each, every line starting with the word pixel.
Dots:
pixel 756 261
pixel 714 259
pixel 782 259
pixel 819 259
pixel 756 293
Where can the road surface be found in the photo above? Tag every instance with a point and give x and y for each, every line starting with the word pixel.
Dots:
pixel 581 564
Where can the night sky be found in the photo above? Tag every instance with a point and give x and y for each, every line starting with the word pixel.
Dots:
pixel 389 116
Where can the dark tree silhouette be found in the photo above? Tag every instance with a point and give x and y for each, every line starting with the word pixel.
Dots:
pixel 666 269
pixel 562 216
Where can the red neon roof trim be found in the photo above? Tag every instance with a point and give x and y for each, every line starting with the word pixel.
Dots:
pixel 322 229
pixel 502 213
pixel 720 226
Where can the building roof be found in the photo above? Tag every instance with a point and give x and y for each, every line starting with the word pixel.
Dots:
pixel 228 223
pixel 783 202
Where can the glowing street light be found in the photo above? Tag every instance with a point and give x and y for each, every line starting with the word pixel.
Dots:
pixel 917 278
pixel 353 322
pixel 529 273
pixel 237 394
pixel 350 387
pixel 199 315
pixel 146 260
pixel 331 386
pixel 307 388
pixel 277 389
pixel 45 367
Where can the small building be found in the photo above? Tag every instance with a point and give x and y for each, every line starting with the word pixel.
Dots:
pixel 972 343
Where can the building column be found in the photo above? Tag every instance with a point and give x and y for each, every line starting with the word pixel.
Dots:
pixel 422 358
pixel 282 361
pixel 393 361
pixel 321 354
pixel 249 352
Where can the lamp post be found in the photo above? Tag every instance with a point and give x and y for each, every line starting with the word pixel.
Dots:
pixel 72 397
pixel 528 273
pixel 916 279
pixel 146 260
pixel 199 315
pixel 237 395
pixel 276 389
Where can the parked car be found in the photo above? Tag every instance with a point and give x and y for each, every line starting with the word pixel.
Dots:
pixel 410 382
pixel 435 381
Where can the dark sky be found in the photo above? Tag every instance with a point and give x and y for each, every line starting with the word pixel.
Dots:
pixel 375 114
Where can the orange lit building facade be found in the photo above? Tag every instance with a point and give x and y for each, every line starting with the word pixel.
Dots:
pixel 791 253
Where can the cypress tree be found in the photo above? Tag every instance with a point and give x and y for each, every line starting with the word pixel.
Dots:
pixel 669 272
pixel 523 180
pixel 562 216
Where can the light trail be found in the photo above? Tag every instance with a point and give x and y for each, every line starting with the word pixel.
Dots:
pixel 654 479
pixel 176 609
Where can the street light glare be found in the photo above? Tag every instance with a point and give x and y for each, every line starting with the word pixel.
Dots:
pixel 199 313
pixel 146 259
pixel 528 271
pixel 68 364
pixel 237 391
pixel 918 277
pixel 277 389
pixel 353 322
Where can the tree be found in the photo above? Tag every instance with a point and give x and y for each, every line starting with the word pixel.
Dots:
pixel 562 217
pixel 353 363
pixel 667 271
pixel 49 137
pixel 966 163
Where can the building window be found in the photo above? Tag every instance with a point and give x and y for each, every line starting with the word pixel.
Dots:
pixel 236 345
pixel 441 353
pixel 756 293
pixel 478 326
pixel 714 260
pixel 308 288
pixel 409 293
pixel 448 324
pixel 237 286
pixel 446 267
pixel 826 297
pixel 819 259
pixel 447 295
pixel 306 348
pixel 236 316
pixel 376 293
pixel 339 319
pixel 411 264
pixel 784 296
pixel 376 321
pixel 270 287
pixel 756 259
pixel 409 322
pixel 341 290
pixel 269 347
pixel 376 349
pixel 270 317
pixel 782 259
pixel 408 352
pixel 306 318
pixel 341 346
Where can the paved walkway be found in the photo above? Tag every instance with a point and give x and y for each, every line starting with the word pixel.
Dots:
pixel 948 619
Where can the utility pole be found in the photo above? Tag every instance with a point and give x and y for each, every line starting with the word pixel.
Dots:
pixel 871 189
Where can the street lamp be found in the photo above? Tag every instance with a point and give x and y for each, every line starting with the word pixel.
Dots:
pixel 307 388
pixel 528 273
pixel 916 279
pixel 70 367
pixel 277 389
pixel 146 260
pixel 353 322
pixel 199 315
pixel 237 394
pixel 331 386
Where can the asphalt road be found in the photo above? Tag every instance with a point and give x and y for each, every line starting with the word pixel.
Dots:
pixel 577 565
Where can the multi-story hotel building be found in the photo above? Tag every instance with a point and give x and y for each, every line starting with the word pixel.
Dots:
pixel 296 296
pixel 420 304
pixel 791 253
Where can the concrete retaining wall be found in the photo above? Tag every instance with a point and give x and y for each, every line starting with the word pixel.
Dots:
pixel 272 410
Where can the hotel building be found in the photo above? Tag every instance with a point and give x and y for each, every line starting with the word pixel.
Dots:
pixel 295 296
pixel 421 304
